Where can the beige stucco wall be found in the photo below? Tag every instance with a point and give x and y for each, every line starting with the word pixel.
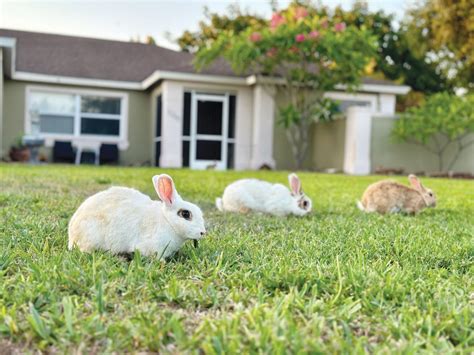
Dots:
pixel 13 113
pixel 328 144
pixel 1 101
pixel 139 116
pixel 325 151
pixel 412 158
pixel 282 151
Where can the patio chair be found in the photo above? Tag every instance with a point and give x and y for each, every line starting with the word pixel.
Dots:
pixel 109 154
pixel 63 152
pixel 88 157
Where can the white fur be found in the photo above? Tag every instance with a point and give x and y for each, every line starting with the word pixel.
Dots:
pixel 219 204
pixel 360 206
pixel 122 220
pixel 260 196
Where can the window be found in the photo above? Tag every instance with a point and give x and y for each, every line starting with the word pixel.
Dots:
pixel 68 114
pixel 100 115
pixel 52 113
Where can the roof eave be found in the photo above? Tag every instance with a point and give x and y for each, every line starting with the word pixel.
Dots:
pixel 372 88
pixel 379 88
pixel 159 75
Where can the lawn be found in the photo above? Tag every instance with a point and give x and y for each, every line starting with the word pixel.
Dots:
pixel 336 281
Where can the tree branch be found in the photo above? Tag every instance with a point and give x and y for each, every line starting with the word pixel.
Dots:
pixel 411 141
pixel 456 156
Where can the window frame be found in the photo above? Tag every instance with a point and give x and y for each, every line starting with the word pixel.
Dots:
pixel 121 139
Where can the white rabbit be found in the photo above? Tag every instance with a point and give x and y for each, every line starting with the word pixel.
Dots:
pixel 122 220
pixel 260 196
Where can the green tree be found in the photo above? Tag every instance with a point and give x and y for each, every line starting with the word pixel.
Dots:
pixel 399 58
pixel 445 30
pixel 308 53
pixel 443 121
pixel 209 29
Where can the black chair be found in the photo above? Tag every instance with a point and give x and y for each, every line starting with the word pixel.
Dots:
pixel 63 152
pixel 87 158
pixel 109 154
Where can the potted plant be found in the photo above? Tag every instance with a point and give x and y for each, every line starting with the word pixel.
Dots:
pixel 19 152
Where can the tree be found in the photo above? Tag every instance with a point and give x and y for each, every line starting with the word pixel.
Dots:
pixel 308 53
pixel 209 29
pixel 443 121
pixel 148 40
pixel 444 29
pixel 399 58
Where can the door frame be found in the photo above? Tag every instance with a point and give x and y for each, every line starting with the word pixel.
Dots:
pixel 194 136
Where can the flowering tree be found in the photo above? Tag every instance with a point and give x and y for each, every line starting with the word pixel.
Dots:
pixel 444 121
pixel 306 54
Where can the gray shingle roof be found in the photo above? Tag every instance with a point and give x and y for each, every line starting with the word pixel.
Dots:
pixel 91 58
pixel 99 59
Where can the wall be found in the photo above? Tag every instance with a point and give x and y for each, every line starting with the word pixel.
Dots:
pixel 1 101
pixel 282 151
pixel 412 158
pixel 13 113
pixel 325 151
pixel 328 144
pixel 139 106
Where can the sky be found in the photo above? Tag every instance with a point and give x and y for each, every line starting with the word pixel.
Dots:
pixel 126 19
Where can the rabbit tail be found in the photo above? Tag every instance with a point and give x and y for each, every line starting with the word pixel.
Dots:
pixel 361 206
pixel 219 204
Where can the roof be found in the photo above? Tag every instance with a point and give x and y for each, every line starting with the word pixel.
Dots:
pixel 91 58
pixel 118 61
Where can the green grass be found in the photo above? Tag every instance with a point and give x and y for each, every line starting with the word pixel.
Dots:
pixel 336 281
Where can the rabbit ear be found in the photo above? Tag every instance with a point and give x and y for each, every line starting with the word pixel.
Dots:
pixel 295 184
pixel 415 182
pixel 165 189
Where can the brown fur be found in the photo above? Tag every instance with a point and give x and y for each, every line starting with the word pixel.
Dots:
pixel 244 210
pixel 386 196
pixel 389 196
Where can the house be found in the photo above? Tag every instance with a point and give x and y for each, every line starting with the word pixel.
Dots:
pixel 157 109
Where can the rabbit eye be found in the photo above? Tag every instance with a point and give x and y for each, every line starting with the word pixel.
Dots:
pixel 185 214
pixel 431 194
pixel 303 204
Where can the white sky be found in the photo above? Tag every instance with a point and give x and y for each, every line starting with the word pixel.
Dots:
pixel 125 19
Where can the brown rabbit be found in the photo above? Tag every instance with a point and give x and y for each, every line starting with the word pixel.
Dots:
pixel 389 196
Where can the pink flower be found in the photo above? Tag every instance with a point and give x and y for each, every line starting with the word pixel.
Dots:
pixel 300 12
pixel 339 27
pixel 314 34
pixel 300 37
pixel 272 52
pixel 255 37
pixel 277 20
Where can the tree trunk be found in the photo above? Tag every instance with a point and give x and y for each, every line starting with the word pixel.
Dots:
pixel 440 161
pixel 298 139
